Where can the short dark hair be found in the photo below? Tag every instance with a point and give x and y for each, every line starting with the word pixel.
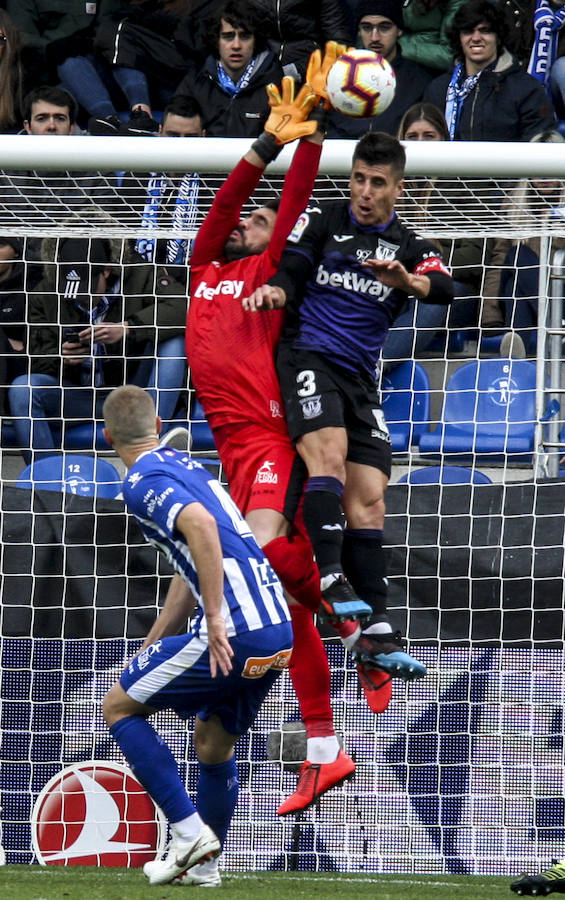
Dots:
pixel 187 107
pixel 470 15
pixel 49 94
pixel 273 204
pixel 376 148
pixel 239 14
pixel 427 112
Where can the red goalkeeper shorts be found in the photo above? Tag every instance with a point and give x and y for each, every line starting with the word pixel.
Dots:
pixel 262 468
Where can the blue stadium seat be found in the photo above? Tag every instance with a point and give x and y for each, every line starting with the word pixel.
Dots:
pixel 406 403
pixel 489 408
pixel 85 476
pixel 86 436
pixel 202 438
pixel 445 475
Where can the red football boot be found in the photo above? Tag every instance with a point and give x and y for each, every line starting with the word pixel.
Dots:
pixel 314 779
pixel 377 687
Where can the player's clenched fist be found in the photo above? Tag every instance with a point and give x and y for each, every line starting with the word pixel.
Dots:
pixel 287 121
pixel 318 68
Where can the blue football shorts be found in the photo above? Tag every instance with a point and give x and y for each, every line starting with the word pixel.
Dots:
pixel 174 673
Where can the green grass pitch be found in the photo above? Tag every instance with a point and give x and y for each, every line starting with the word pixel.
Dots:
pixel 83 883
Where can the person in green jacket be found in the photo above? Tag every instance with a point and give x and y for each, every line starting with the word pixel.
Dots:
pixel 98 319
pixel 424 39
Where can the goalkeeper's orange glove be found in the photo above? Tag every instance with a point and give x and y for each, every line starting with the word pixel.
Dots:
pixel 287 121
pixel 318 68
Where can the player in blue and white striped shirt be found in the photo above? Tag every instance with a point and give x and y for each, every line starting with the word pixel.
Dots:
pixel 239 639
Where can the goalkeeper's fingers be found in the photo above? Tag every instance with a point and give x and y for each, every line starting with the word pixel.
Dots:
pixel 274 96
pixel 305 99
pixel 314 65
pixel 332 53
pixel 287 90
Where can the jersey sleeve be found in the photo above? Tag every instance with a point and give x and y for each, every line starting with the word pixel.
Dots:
pixel 225 213
pixel 296 192
pixel 302 252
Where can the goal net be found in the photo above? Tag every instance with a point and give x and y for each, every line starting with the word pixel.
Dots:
pixel 464 771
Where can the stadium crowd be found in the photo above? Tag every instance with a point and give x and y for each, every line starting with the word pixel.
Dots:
pixel 152 67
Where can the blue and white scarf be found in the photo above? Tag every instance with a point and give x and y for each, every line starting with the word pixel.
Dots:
pixel 548 22
pixel 183 218
pixel 97 314
pixel 229 86
pixel 456 94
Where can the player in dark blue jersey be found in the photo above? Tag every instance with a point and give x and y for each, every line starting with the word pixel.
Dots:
pixel 239 639
pixel 346 272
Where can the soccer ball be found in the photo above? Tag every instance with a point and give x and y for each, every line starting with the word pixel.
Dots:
pixel 361 83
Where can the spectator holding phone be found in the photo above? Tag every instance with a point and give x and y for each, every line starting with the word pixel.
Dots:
pixel 94 324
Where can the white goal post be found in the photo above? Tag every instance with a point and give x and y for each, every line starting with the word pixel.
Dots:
pixel 464 772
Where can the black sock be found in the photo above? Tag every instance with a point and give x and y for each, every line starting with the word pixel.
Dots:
pixel 364 566
pixel 325 521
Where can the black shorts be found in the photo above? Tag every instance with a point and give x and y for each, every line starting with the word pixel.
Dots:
pixel 319 395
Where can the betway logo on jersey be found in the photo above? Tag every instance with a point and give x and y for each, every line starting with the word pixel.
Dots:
pixel 96 814
pixel 226 287
pixel 351 281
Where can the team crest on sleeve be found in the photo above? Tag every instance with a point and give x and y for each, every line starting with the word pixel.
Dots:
pixel 301 224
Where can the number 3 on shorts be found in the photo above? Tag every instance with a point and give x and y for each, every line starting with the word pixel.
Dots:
pixel 307 379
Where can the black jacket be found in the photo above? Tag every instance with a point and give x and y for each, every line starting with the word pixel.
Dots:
pixel 297 27
pixel 241 115
pixel 507 104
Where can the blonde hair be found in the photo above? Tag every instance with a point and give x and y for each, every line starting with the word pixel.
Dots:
pixel 129 415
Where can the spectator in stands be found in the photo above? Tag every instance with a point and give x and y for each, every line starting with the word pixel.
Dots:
pixel 425 203
pixel 157 38
pixel 230 88
pixel 295 28
pixel 96 321
pixel 512 279
pixel 168 200
pixel 58 43
pixel 43 198
pixel 379 25
pixel 425 36
pixel 13 332
pixel 49 110
pixel 11 76
pixel 487 97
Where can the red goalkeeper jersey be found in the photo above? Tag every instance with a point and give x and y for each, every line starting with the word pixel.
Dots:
pixel 230 350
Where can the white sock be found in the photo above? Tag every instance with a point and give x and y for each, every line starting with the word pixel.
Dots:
pixel 322 749
pixel 328 580
pixel 188 829
pixel 378 628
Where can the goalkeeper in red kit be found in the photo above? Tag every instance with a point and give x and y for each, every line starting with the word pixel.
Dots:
pixel 231 357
